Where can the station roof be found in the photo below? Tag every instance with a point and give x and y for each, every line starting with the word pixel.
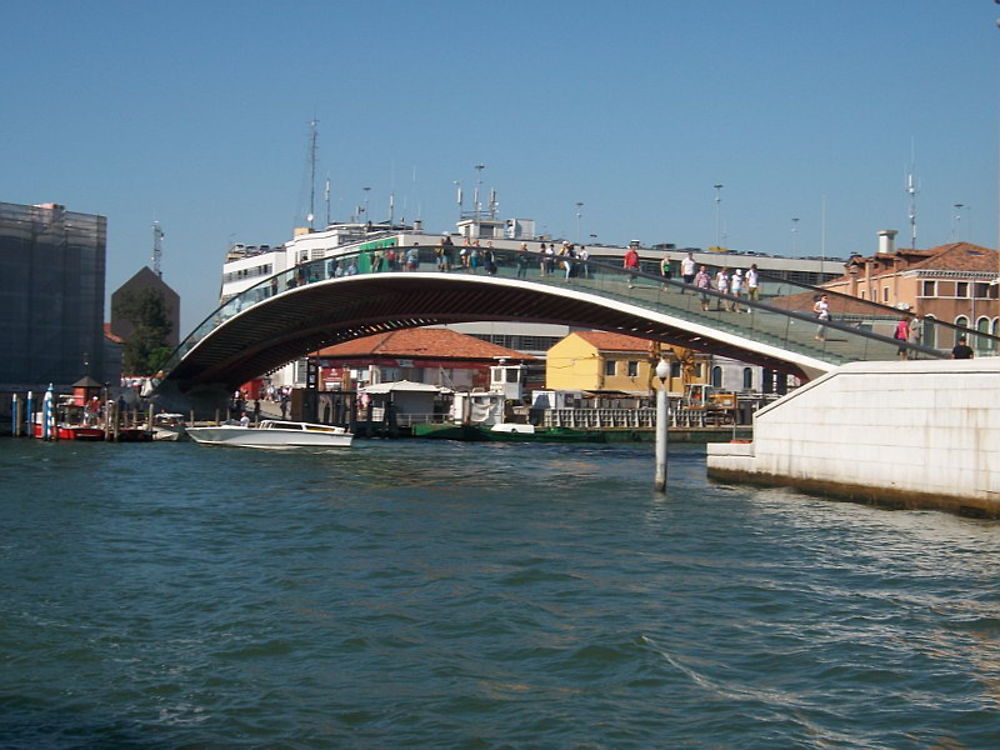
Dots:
pixel 438 343
pixel 606 341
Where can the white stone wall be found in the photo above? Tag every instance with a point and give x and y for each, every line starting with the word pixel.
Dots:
pixel 923 427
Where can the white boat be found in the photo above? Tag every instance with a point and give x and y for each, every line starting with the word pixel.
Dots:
pixel 168 426
pixel 273 434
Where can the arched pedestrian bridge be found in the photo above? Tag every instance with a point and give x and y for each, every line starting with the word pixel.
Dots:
pixel 333 300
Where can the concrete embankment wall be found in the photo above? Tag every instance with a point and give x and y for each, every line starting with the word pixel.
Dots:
pixel 904 434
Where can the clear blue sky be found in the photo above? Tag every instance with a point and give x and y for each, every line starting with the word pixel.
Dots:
pixel 194 114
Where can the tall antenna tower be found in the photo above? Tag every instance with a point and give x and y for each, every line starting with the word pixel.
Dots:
pixel 911 190
pixel 312 171
pixel 157 248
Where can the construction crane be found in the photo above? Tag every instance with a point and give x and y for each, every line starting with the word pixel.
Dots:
pixel 157 248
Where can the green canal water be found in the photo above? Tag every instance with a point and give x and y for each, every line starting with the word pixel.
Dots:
pixel 447 595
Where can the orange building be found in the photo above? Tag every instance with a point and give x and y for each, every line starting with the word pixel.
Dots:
pixel 954 283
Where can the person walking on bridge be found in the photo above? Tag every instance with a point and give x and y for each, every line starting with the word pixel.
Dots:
pixel 703 282
pixel 522 261
pixel 665 270
pixel 688 270
pixel 753 284
pixel 962 350
pixel 902 335
pixel 631 262
pixel 722 286
pixel 584 256
pixel 822 310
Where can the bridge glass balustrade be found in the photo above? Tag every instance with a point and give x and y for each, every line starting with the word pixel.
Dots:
pixel 939 336
pixel 859 330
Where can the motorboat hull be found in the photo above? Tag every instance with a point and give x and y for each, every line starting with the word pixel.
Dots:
pixel 271 437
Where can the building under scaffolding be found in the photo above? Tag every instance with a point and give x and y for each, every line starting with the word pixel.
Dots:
pixel 52 266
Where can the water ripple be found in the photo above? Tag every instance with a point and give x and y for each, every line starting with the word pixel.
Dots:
pixel 409 594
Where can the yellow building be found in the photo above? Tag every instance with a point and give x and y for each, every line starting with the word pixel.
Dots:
pixel 603 361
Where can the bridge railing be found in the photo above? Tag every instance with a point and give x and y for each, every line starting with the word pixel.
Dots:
pixel 782 317
pixel 940 335
pixel 791 326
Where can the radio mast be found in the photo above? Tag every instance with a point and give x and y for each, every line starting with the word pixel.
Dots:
pixel 912 190
pixel 312 172
pixel 157 248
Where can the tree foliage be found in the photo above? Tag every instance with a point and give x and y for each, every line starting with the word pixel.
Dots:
pixel 146 348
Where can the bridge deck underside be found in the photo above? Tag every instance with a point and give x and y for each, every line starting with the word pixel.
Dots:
pixel 278 330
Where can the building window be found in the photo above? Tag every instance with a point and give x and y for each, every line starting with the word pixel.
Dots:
pixel 885 294
pixel 609 367
pixel 961 289
pixel 675 369
pixel 767 382
pixel 982 291
pixel 747 379
pixel 633 368
pixel 928 332
pixel 716 377
pixel 929 289
pixel 983 326
pixel 862 295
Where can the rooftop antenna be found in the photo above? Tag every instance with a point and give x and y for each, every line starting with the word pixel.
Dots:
pixel 956 231
pixel 911 190
pixel 494 203
pixel 479 181
pixel 718 214
pixel 326 197
pixel 312 171
pixel 392 193
pixel 157 248
pixel 458 198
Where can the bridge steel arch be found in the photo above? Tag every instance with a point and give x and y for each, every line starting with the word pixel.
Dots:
pixel 295 322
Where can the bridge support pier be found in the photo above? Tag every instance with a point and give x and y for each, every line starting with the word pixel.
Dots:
pixel 204 401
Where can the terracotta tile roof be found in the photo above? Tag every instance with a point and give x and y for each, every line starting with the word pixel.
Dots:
pixel 959 256
pixel 606 341
pixel 955 256
pixel 803 302
pixel 437 343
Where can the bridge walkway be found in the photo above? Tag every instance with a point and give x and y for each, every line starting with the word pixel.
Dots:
pixel 781 319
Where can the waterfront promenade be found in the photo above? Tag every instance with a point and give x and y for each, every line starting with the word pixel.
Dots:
pixel 905 434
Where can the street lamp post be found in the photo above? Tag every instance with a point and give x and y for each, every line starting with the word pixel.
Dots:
pixel 662 420
pixel 718 215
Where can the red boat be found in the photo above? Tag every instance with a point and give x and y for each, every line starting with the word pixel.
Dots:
pixel 75 422
pixel 71 431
